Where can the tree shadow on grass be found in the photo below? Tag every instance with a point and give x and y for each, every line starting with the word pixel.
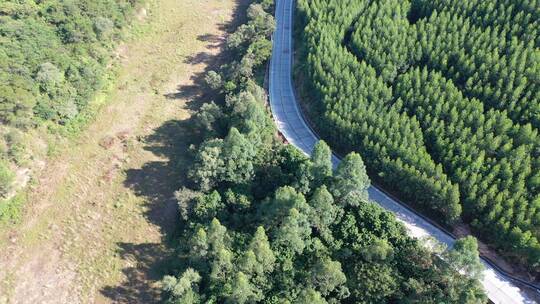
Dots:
pixel 215 41
pixel 156 182
pixel 201 57
pixel 147 263
pixel 196 93
pixel 212 38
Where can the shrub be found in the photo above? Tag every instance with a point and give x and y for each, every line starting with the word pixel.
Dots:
pixel 6 179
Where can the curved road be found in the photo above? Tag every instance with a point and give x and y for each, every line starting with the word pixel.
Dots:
pixel 292 125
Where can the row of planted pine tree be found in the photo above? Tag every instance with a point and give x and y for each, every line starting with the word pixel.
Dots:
pixel 442 98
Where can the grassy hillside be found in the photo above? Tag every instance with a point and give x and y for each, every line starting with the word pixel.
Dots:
pixel 97 218
pixel 54 57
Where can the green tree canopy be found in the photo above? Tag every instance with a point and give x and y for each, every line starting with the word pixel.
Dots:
pixel 350 180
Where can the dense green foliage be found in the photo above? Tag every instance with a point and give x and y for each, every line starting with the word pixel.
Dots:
pixel 262 223
pixel 53 55
pixel 442 99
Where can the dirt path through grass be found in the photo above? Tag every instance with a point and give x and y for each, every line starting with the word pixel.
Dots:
pixel 97 220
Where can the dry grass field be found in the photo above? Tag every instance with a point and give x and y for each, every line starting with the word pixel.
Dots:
pixel 99 218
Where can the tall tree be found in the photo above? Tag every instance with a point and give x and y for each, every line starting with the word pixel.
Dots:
pixel 463 257
pixel 243 291
pixel 262 251
pixel 350 180
pixel 322 162
pixel 326 276
pixel 310 296
pixel 237 155
pixel 183 290
pixel 323 211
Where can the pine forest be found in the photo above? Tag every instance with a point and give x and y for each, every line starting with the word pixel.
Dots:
pixel 442 100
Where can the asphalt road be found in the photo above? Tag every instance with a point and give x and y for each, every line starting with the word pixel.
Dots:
pixel 295 129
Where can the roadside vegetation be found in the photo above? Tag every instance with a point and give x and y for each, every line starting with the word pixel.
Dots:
pixel 441 98
pixel 263 223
